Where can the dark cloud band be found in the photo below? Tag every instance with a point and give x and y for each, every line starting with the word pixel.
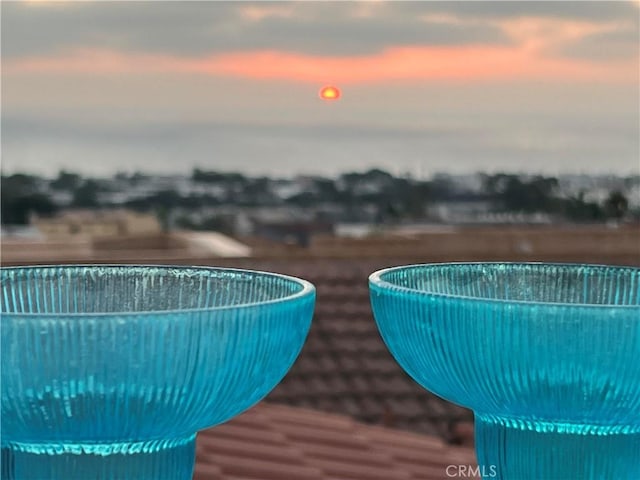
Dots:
pixel 317 28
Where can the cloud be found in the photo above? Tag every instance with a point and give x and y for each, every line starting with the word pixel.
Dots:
pixel 618 44
pixel 594 11
pixel 319 28
pixel 201 28
pixel 43 29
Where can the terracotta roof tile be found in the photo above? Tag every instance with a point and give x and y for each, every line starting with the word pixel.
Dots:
pixel 280 442
pixel 344 366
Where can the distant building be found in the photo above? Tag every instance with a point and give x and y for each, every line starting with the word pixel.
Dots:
pixel 354 230
pixel 110 236
pixel 19 232
pixel 96 224
pixel 461 212
pixel 212 244
pixel 293 232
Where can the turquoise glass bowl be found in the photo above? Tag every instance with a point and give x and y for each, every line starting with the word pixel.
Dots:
pixel 546 355
pixel 108 372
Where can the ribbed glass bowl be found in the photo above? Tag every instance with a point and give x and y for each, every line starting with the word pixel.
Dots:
pixel 108 372
pixel 546 355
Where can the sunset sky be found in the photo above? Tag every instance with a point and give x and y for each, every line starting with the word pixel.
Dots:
pixel 100 87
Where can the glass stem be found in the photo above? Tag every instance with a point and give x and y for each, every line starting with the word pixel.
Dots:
pixel 510 450
pixel 156 460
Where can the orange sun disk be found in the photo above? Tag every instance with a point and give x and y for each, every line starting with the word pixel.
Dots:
pixel 329 93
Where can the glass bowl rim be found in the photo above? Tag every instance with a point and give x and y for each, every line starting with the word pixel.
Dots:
pixel 375 279
pixel 308 289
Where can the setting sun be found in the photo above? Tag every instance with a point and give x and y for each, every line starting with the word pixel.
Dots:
pixel 329 93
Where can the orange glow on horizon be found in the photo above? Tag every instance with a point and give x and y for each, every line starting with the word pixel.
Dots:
pixel 408 63
pixel 330 93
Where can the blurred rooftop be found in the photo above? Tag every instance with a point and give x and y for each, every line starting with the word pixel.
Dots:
pixel 285 443
pixel 551 243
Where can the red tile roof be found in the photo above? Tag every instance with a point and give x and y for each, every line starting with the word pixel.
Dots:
pixel 346 368
pixel 286 443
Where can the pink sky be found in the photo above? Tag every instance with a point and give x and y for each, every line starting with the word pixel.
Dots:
pixel 409 63
pixel 534 53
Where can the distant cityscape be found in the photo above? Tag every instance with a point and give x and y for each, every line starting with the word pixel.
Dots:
pixel 236 204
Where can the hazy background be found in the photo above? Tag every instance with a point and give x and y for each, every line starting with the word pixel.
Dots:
pixel 99 87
